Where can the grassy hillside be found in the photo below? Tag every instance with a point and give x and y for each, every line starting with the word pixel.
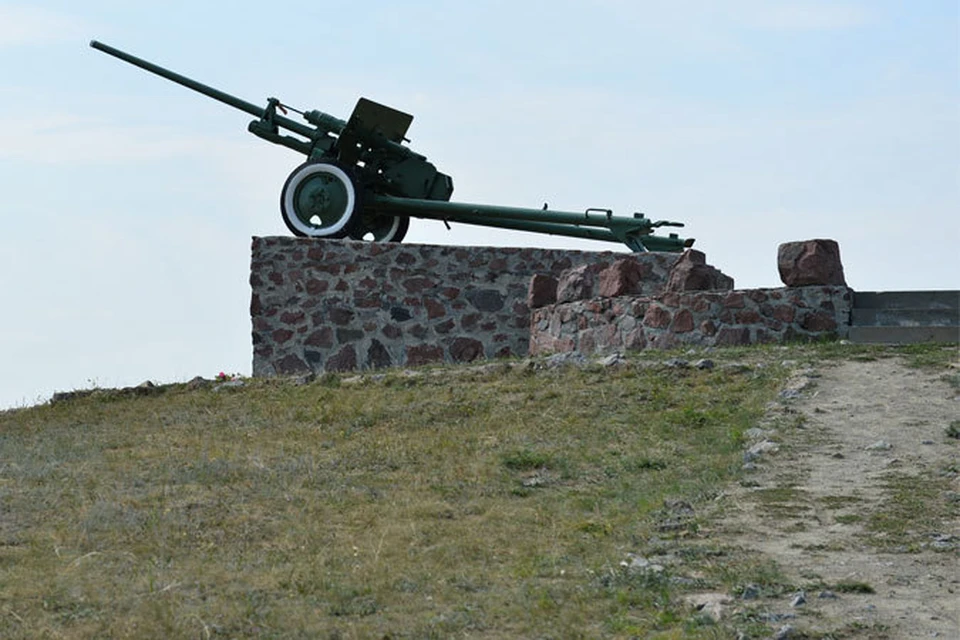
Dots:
pixel 494 501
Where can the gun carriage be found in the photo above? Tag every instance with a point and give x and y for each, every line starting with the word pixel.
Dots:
pixel 361 181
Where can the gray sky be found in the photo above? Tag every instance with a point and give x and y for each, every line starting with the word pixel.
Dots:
pixel 129 202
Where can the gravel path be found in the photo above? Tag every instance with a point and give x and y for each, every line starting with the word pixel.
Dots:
pixel 854 482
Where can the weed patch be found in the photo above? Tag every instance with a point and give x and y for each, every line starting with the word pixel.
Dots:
pixel 450 503
pixel 853 587
pixel 913 508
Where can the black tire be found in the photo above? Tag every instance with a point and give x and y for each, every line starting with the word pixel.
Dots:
pixel 320 199
pixel 371 226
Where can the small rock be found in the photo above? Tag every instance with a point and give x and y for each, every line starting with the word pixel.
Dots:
pixel 777 617
pixel 710 604
pixel 534 481
pixel 562 359
pixel 304 379
pixel 676 515
pixel 230 384
pixel 198 382
pixel 799 600
pixel 641 564
pixel 613 360
pixel 676 363
pixel 704 364
pixel 755 433
pixel 145 388
pixel 761 448
pixel 826 594
pixel 784 633
pixel 797 385
pixel 879 445
pixel 750 592
pixel 678 507
pixel 943 541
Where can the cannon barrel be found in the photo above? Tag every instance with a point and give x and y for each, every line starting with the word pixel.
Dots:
pixel 593 224
pixel 208 91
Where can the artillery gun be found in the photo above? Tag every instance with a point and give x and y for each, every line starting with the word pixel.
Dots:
pixel 361 182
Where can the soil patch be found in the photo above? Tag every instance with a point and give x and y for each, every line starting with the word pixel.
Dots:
pixel 852 488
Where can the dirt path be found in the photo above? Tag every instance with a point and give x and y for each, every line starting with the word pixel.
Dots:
pixel 854 493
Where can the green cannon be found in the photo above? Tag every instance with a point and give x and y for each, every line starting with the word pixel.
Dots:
pixel 361 182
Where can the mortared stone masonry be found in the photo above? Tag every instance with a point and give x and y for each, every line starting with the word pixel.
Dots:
pixel 339 305
pixel 693 318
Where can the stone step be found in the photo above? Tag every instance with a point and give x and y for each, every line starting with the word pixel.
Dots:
pixel 942 299
pixel 905 317
pixel 903 335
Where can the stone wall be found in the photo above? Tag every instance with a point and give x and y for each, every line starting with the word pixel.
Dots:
pixel 323 305
pixel 704 318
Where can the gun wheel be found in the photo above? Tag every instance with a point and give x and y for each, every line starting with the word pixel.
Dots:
pixel 372 226
pixel 319 200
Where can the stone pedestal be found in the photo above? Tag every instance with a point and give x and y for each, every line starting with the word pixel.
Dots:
pixel 332 305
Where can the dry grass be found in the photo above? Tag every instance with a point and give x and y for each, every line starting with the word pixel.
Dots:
pixel 493 502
